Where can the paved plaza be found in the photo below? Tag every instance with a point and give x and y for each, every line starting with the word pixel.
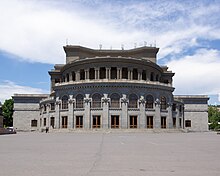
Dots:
pixel 110 153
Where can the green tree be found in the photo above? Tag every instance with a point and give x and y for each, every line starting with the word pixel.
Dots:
pixel 214 117
pixel 7 111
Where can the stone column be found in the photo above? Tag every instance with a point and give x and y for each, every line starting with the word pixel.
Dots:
pixel 107 73
pixel 129 74
pixel 87 118
pixel 169 117
pixel 139 74
pixel 48 115
pixel 77 75
pixel 105 106
pixel 70 77
pixel 177 117
pixel 70 112
pixel 124 114
pixel 96 73
pixel 157 118
pixel 118 73
pixel 86 74
pixel 57 113
pixel 142 121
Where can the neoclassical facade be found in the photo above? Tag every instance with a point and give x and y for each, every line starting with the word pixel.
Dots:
pixel 110 89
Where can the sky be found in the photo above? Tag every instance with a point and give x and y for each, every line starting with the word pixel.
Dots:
pixel 33 33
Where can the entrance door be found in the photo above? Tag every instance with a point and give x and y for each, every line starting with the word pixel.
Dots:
pixel 163 122
pixel 133 121
pixel 52 121
pixel 79 121
pixel 64 122
pixel 96 122
pixel 150 122
pixel 114 121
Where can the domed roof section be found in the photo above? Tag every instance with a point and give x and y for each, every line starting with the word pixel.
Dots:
pixel 74 52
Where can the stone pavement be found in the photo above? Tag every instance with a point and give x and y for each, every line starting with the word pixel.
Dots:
pixel 109 154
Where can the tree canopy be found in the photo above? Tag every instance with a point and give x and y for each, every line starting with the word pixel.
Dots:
pixel 214 117
pixel 7 111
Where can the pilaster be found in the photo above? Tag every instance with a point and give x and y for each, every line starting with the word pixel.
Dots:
pixel 70 112
pixel 142 121
pixel 87 118
pixel 105 106
pixel 169 117
pixel 57 113
pixel 157 118
pixel 124 113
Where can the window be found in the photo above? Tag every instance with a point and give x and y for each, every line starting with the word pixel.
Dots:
pixel 91 73
pixel 57 80
pixel 64 121
pixel 144 75
pixel 135 74
pixel 102 73
pixel 115 100
pixel 180 122
pixel 124 73
pixel 152 76
pixel 79 101
pixel 149 102
pixel 174 122
pixel 45 121
pixel 113 73
pixel 133 121
pixel 133 101
pixel 180 108
pixel 45 108
pixel 96 123
pixel 79 121
pixel 33 123
pixel 163 122
pixel 52 119
pixel 163 103
pixel 52 106
pixel 114 121
pixel 96 100
pixel 73 76
pixel 150 122
pixel 82 74
pixel 187 123
pixel 65 102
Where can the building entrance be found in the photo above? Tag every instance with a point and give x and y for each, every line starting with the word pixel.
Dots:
pixel 133 121
pixel 96 123
pixel 52 121
pixel 64 122
pixel 150 122
pixel 79 121
pixel 114 121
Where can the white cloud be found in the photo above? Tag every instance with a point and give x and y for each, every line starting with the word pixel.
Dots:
pixel 37 30
pixel 9 88
pixel 197 73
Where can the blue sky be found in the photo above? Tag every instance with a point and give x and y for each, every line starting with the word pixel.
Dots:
pixel 33 33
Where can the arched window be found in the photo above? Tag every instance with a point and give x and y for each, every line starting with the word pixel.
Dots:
pixel 102 73
pixel 73 76
pixel 82 74
pixel 91 73
pixel 96 100
pixel 67 77
pixel 79 101
pixel 115 100
pixel 135 74
pixel 133 101
pixel 149 102
pixel 124 73
pixel 65 102
pixel 152 76
pixel 163 103
pixel 144 75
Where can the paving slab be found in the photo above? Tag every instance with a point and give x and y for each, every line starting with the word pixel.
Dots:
pixel 109 154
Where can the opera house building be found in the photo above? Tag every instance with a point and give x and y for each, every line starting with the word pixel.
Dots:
pixel 110 89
